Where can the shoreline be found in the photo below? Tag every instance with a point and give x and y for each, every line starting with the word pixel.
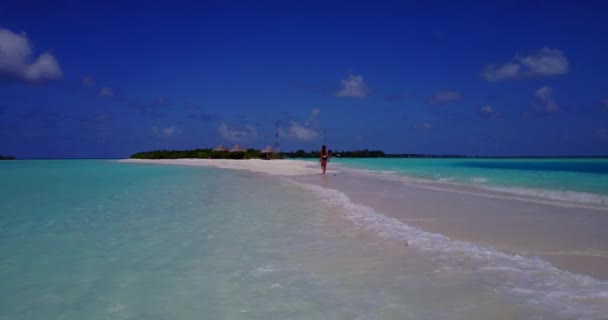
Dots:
pixel 569 236
pixel 492 191
pixel 271 167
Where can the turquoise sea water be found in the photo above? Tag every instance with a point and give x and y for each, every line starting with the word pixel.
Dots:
pixel 569 179
pixel 106 240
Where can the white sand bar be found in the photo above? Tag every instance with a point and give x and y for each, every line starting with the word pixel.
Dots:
pixel 272 167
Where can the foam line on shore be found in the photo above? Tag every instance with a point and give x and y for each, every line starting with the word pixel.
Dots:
pixel 570 199
pixel 528 278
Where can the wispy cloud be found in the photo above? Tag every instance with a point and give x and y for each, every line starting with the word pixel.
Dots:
pixel 241 133
pixel 17 63
pixel 106 92
pixel 307 131
pixel 544 95
pixel 444 97
pixel 487 111
pixel 300 132
pixel 168 131
pixel 163 132
pixel 353 87
pixel 547 62
pixel 507 71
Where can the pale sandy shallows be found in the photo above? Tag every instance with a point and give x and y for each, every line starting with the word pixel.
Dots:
pixel 570 237
pixel 273 167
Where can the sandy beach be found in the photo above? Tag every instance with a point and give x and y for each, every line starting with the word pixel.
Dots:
pixel 271 167
pixel 570 237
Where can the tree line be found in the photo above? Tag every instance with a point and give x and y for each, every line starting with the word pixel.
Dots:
pixel 251 154
pixel 6 157
pixel 202 154
pixel 336 153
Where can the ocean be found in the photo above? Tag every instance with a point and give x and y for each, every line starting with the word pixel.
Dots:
pixel 91 239
pixel 583 180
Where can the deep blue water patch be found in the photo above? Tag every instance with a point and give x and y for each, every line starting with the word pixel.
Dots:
pixel 599 166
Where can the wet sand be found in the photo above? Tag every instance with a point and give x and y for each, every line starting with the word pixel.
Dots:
pixel 572 238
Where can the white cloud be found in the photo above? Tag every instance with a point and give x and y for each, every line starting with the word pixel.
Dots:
pixel 17 63
pixel 353 87
pixel 305 132
pixel 509 70
pixel 487 109
pixel 163 132
pixel 300 132
pixel 487 112
pixel 244 133
pixel 168 131
pixel 547 62
pixel 312 120
pixel 544 94
pixel 602 133
pixel 444 97
pixel 106 92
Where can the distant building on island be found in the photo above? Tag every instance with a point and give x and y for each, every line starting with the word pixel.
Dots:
pixel 268 149
pixel 220 148
pixel 237 148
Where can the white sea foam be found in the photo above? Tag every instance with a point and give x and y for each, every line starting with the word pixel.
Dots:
pixel 526 278
pixel 561 195
pixel 479 180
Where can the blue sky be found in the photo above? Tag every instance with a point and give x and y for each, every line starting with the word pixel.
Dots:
pixel 110 79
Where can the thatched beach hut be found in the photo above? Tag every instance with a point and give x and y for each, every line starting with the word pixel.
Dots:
pixel 237 148
pixel 268 149
pixel 220 148
pixel 268 152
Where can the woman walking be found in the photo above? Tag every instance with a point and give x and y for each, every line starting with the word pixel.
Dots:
pixel 324 158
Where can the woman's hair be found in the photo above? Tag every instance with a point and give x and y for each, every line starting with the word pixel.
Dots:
pixel 323 149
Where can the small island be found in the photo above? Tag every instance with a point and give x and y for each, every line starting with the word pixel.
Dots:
pixel 205 154
pixel 268 153
pixel 6 157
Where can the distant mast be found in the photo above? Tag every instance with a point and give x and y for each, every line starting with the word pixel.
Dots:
pixel 276 138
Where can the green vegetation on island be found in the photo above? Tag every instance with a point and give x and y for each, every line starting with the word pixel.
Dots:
pixel 257 154
pixel 335 153
pixel 250 154
pixel 6 157
pixel 203 154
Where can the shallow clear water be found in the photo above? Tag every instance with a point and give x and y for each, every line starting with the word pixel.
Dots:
pixel 569 179
pixel 105 240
